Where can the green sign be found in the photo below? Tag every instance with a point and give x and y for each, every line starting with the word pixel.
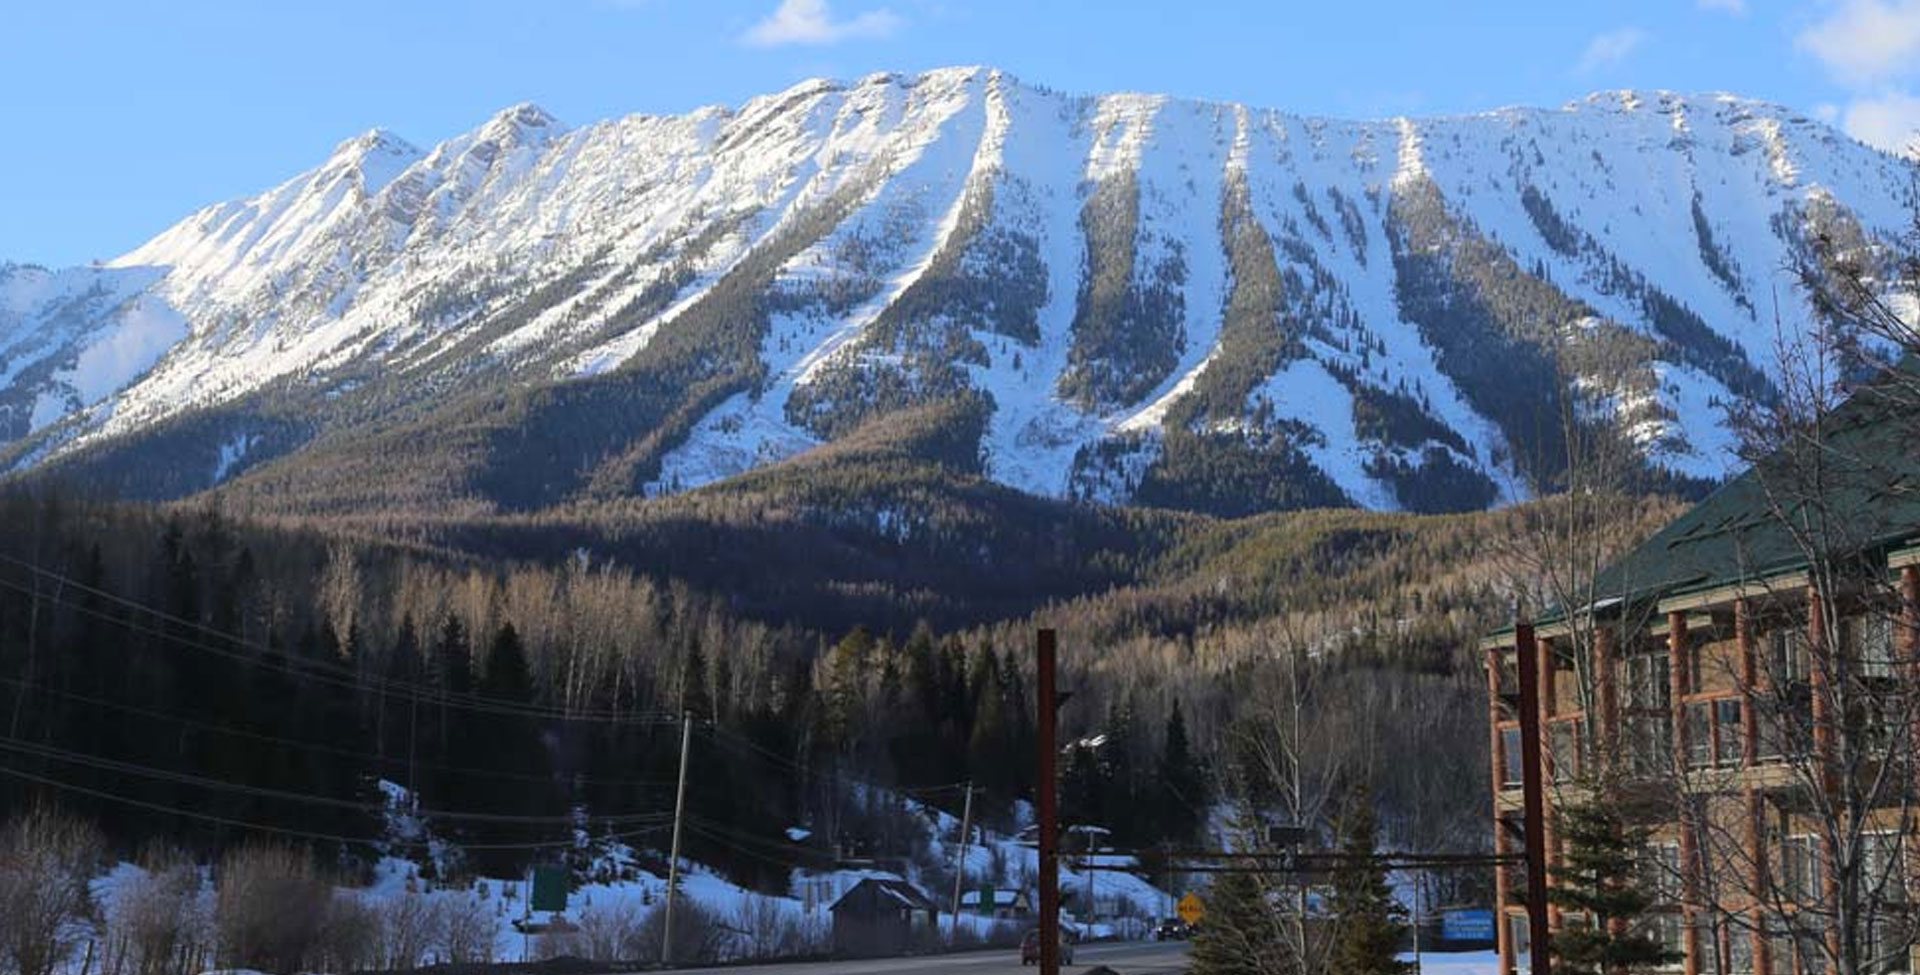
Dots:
pixel 549 888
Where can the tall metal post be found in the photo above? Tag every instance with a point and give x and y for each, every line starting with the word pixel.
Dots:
pixel 673 865
pixel 1533 796
pixel 1049 826
pixel 960 867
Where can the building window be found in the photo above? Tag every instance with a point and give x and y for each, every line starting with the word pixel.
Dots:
pixel 1868 641
pixel 1731 727
pixel 1667 929
pixel 1888 947
pixel 1649 677
pixel 1707 930
pixel 1739 951
pixel 1565 739
pixel 1716 735
pixel 1779 948
pixel 1810 940
pixel 1660 872
pixel 1783 724
pixel 1695 660
pixel 1882 870
pixel 1521 938
pixel 1787 660
pixel 1699 735
pixel 1513 761
pixel 1800 869
pixel 1875 727
pixel 1650 743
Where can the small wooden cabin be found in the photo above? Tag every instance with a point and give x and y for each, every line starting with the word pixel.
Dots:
pixel 881 917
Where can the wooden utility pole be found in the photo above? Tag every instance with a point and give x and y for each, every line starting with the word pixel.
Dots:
pixel 960 865
pixel 1533 796
pixel 1045 787
pixel 673 864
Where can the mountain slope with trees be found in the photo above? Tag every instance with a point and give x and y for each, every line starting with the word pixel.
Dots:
pixel 1126 298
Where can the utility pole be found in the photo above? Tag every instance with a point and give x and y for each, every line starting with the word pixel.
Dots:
pixel 1045 787
pixel 673 865
pixel 960 867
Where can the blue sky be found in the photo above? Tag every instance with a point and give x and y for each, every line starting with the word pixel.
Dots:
pixel 126 116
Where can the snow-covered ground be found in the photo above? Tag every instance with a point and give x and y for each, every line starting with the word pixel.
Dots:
pixel 619 890
pixel 1463 963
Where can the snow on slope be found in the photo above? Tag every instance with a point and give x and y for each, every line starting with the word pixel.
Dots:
pixel 549 253
pixel 70 339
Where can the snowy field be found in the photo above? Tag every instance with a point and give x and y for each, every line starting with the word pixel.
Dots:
pixel 1464 963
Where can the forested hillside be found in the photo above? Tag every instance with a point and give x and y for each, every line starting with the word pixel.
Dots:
pixel 195 673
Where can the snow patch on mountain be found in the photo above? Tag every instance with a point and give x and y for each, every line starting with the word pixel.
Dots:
pixel 536 253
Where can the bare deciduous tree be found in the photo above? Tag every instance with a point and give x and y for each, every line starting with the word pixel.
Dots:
pixel 270 909
pixel 157 921
pixel 46 862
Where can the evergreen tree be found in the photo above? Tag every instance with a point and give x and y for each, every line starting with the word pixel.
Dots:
pixel 1241 934
pixel 513 744
pixel 1597 879
pixel 1183 791
pixel 1367 920
pixel 1084 787
pixel 507 677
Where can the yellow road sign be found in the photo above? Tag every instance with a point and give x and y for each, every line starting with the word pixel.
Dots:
pixel 1191 909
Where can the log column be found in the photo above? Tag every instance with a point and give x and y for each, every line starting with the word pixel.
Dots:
pixel 1549 764
pixel 1502 845
pixel 1907 649
pixel 1677 689
pixel 1757 860
pixel 1606 720
pixel 1754 802
pixel 1820 670
pixel 1749 683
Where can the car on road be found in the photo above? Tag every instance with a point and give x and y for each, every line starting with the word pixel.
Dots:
pixel 1172 929
pixel 1030 949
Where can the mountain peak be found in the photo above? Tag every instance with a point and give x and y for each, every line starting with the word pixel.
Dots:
pixel 375 140
pixel 840 239
pixel 375 157
pixel 526 115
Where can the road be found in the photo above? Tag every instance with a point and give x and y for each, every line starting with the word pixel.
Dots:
pixel 1130 958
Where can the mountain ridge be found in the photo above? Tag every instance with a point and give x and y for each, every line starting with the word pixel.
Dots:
pixel 1143 299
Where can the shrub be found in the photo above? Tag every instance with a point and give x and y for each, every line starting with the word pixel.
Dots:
pixel 158 918
pixel 46 861
pixel 467 930
pixel 271 908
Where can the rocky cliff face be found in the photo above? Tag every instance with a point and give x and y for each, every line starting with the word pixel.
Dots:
pixel 1117 298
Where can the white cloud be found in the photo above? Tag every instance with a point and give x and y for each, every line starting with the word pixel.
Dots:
pixel 1610 48
pixel 1867 41
pixel 1827 112
pixel 1735 7
pixel 1890 121
pixel 811 22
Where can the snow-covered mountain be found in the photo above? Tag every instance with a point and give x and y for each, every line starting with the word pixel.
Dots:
pixel 1121 297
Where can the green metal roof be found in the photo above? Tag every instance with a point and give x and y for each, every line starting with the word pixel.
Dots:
pixel 1854 488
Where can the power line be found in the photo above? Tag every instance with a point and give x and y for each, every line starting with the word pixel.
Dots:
pixel 346 678
pixel 298 833
pixel 341 670
pixel 743 836
pixel 395 760
pixel 736 848
pixel 187 778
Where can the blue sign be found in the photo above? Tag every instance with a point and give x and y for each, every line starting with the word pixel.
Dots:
pixel 1467 924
